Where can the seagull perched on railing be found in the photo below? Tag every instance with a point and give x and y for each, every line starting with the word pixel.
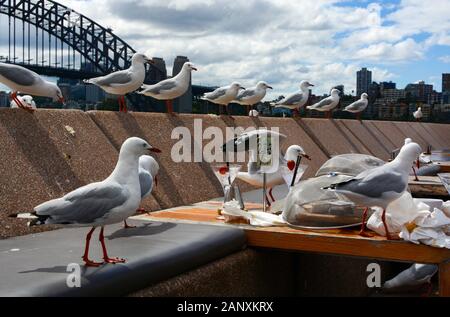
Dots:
pixel 418 115
pixel 327 104
pixel 171 88
pixel 98 204
pixel 25 81
pixel 252 96
pixel 358 106
pixel 296 100
pixel 380 186
pixel 125 81
pixel 223 95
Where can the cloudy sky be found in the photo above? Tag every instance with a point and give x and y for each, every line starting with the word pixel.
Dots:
pixel 285 41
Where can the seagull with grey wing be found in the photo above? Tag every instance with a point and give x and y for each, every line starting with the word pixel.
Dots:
pixel 358 106
pixel 98 204
pixel 223 95
pixel 171 88
pixel 382 185
pixel 252 96
pixel 296 100
pixel 418 115
pixel 327 104
pixel 125 81
pixel 25 81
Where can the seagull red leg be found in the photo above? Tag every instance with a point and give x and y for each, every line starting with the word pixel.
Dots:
pixel 19 102
pixel 389 236
pixel 127 226
pixel 415 174
pixel 169 106
pixel 85 257
pixel 363 232
pixel 270 194
pixel 106 258
pixel 124 102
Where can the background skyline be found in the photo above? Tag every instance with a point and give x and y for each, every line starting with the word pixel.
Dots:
pixel 283 42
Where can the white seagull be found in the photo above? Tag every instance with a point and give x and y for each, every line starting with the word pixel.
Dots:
pixel 382 185
pixel 223 95
pixel 296 100
pixel 25 81
pixel 124 81
pixel 26 100
pixel 171 88
pixel 253 113
pixel 252 96
pixel 254 178
pixel 418 115
pixel 148 178
pixel 358 106
pixel 98 204
pixel 327 104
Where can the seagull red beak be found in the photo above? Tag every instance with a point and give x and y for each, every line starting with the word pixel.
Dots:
pixel 61 100
pixel 155 150
pixel 306 156
pixel 194 68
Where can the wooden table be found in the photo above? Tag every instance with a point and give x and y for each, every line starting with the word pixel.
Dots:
pixel 429 186
pixel 338 242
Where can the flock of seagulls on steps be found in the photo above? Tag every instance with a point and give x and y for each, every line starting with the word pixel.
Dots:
pixel 122 82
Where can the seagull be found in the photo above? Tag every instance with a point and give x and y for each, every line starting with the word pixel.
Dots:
pixel 382 185
pixel 253 113
pixel 358 106
pixel 26 100
pixel 171 88
pixel 252 96
pixel 296 100
pixel 418 115
pixel 327 104
pixel 223 95
pixel 124 81
pixel 98 204
pixel 23 80
pixel 254 178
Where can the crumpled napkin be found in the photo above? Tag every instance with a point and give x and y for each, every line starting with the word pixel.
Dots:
pixel 415 222
pixel 255 218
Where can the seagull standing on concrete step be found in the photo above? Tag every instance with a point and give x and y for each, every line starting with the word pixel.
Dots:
pixel 382 185
pixel 148 179
pixel 252 96
pixel 254 178
pixel 26 100
pixel 296 100
pixel 98 204
pixel 125 81
pixel 171 88
pixel 418 115
pixel 327 104
pixel 223 95
pixel 23 80
pixel 358 106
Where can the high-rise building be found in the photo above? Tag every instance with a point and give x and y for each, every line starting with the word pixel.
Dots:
pixel 184 103
pixel 157 71
pixel 388 85
pixel 363 81
pixel 4 99
pixel 446 82
pixel 419 91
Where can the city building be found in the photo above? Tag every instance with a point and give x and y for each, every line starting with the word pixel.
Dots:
pixel 419 91
pixel 446 82
pixel 157 71
pixel 387 85
pixel 184 103
pixel 363 81
pixel 393 95
pixel 4 99
pixel 392 111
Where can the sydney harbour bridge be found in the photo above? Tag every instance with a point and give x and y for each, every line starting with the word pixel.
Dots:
pixel 54 40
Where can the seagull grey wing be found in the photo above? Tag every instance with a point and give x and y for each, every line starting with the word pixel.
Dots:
pixel 245 93
pixel 84 205
pixel 358 105
pixel 374 186
pixel 117 78
pixel 157 88
pixel 146 181
pixel 18 75
pixel 216 93
pixel 324 102
pixel 291 100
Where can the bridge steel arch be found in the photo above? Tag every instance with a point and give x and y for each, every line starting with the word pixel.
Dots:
pixel 95 43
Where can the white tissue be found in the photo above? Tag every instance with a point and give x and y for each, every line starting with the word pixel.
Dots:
pixel 255 218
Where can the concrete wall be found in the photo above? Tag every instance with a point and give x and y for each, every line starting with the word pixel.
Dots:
pixel 42 160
